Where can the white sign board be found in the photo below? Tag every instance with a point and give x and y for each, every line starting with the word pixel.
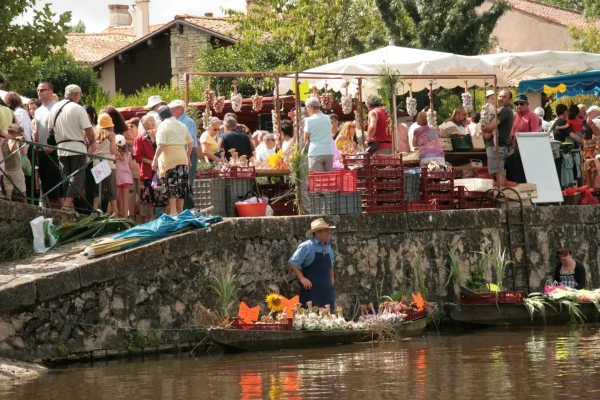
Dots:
pixel 539 166
pixel 101 171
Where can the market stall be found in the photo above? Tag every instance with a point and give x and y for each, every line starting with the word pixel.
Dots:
pixel 564 85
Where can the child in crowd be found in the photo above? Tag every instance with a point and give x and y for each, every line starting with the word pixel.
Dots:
pixel 573 121
pixel 124 176
pixel 13 168
pixel 106 147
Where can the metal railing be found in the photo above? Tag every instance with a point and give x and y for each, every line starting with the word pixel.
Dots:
pixel 40 147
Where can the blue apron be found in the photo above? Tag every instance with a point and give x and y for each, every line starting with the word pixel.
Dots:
pixel 318 273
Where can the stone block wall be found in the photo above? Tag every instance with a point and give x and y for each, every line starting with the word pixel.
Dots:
pixel 184 52
pixel 86 309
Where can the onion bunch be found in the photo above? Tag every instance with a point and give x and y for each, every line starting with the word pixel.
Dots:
pixel 275 121
pixel 326 100
pixel 209 98
pixel 411 106
pixel 219 104
pixel 257 103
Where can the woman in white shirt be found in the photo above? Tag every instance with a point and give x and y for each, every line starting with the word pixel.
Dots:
pixel 269 148
pixel 15 103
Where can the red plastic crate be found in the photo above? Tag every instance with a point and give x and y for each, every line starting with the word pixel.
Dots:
pixel 414 315
pixel 378 197
pixel 341 180
pixel 390 184
pixel 208 174
pixel 239 173
pixel 284 208
pixel 386 160
pixel 438 186
pixel 413 206
pixel 439 196
pixel 504 297
pixel 389 173
pixel 426 174
pixel 239 324
pixel 356 160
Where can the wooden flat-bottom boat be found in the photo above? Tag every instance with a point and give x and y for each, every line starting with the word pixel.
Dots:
pixel 258 340
pixel 515 314
pixel 411 328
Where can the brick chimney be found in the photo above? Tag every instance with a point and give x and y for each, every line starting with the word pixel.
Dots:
pixel 118 15
pixel 141 18
pixel 208 14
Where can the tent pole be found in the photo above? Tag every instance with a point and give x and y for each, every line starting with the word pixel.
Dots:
pixel 360 113
pixel 394 122
pixel 186 77
pixel 496 132
pixel 298 110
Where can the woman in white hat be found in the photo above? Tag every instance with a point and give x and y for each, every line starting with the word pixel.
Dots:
pixel 313 265
pixel 153 103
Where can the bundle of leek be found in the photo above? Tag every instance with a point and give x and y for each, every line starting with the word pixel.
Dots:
pixel 91 227
pixel 108 246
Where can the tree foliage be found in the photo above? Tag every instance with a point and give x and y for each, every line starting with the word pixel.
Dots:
pixel 590 8
pixel 79 27
pixel 291 36
pixel 20 45
pixel 584 38
pixel 452 26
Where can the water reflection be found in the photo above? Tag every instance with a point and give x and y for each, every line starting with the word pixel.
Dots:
pixel 540 363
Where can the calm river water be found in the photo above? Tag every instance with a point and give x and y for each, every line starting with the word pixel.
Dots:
pixel 551 363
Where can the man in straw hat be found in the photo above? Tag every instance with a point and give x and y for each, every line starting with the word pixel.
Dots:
pixel 313 265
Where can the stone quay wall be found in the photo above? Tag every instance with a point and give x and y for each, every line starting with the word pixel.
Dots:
pixel 86 308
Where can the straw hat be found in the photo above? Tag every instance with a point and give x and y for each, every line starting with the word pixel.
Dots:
pixel 317 225
pixel 105 121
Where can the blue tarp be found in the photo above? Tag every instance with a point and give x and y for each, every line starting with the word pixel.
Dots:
pixel 165 226
pixel 582 83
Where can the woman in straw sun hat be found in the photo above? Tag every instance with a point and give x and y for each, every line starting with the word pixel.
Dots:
pixel 313 265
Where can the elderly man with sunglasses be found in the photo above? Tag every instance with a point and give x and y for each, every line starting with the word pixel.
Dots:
pixel 525 121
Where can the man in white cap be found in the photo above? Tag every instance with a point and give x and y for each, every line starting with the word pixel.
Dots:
pixel 591 125
pixel 73 132
pixel 313 265
pixel 178 110
pixel 153 103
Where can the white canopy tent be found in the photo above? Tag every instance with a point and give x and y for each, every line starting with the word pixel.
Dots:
pixel 24 99
pixel 513 66
pixel 408 62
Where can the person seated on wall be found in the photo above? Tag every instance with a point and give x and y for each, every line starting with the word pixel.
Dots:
pixel 569 272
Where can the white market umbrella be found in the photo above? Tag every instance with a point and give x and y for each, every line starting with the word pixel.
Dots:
pixel 513 66
pixel 407 61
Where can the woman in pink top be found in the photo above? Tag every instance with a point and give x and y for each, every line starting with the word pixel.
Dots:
pixel 123 169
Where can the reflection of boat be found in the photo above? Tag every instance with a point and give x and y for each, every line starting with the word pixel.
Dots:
pixel 259 340
pixel 411 328
pixel 515 314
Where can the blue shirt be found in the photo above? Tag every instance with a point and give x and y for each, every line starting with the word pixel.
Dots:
pixel 305 253
pixel 190 124
pixel 319 128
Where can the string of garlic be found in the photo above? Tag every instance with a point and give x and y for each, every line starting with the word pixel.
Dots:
pixel 432 119
pixel 467 100
pixel 411 106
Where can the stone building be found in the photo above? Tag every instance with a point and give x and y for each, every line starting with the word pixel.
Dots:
pixel 131 53
pixel 533 26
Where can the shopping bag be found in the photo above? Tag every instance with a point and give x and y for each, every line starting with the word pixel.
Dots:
pixel 44 234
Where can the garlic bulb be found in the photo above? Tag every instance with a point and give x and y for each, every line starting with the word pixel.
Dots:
pixel 219 104
pixel 347 103
pixel 257 103
pixel 467 100
pixel 432 119
pixel 411 106
pixel 236 102
pixel 206 117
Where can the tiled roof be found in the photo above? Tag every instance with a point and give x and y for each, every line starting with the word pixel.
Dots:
pixel 558 15
pixel 94 47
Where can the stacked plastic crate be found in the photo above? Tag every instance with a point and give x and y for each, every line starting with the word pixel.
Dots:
pixel 438 187
pixel 210 193
pixel 381 180
pixel 412 192
pixel 334 192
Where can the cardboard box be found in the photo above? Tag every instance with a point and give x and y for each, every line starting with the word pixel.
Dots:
pixel 446 144
pixel 526 187
pixel 476 163
pixel 523 195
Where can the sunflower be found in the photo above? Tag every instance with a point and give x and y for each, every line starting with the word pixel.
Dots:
pixel 274 302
